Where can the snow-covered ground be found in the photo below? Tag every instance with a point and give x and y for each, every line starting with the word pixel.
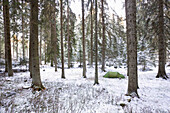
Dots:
pixel 76 94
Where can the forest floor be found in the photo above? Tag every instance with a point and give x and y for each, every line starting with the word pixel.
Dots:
pixel 76 94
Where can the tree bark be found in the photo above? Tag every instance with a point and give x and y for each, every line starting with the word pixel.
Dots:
pixel 127 38
pixel 30 56
pixel 53 33
pixel 6 49
pixel 68 34
pixel 36 80
pixel 96 46
pixel 13 45
pixel 83 42
pixel 0 47
pixel 30 48
pixel 23 33
pixel 88 45
pixel 104 40
pixel 161 43
pixel 7 36
pixel 45 51
pixel 40 43
pixel 17 46
pixel 80 54
pixel 91 11
pixel 62 47
pixel 132 48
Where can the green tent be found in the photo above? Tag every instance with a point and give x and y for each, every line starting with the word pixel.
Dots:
pixel 113 75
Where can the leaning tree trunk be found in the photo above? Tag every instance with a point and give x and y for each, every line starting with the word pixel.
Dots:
pixel 7 36
pixel 132 42
pixel 62 47
pixel 83 42
pixel 96 47
pixel 161 43
pixel 91 11
pixel 36 80
pixel 104 40
pixel 53 34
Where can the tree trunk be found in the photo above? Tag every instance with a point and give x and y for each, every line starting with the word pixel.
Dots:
pixel 62 47
pixel 51 44
pixel 127 38
pixel 83 42
pixel 0 47
pixel 13 47
pixel 53 34
pixel 104 40
pixel 6 48
pixel 36 81
pixel 88 45
pixel 80 53
pixel 30 48
pixel 7 36
pixel 51 58
pixel 161 44
pixel 132 48
pixel 68 34
pixel 30 56
pixel 14 31
pixel 6 53
pixel 17 47
pixel 91 11
pixel 40 43
pixel 96 46
pixel 23 34
pixel 45 51
pixel 48 51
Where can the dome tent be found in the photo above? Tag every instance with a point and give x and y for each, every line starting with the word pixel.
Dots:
pixel 113 75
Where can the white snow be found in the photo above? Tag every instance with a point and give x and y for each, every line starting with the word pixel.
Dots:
pixel 76 94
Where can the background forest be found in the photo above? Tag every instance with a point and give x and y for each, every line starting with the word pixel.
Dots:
pixel 115 42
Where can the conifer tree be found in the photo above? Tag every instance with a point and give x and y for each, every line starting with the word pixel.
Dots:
pixel 8 58
pixel 36 80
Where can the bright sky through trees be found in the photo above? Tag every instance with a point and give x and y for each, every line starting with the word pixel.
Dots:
pixel 116 5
